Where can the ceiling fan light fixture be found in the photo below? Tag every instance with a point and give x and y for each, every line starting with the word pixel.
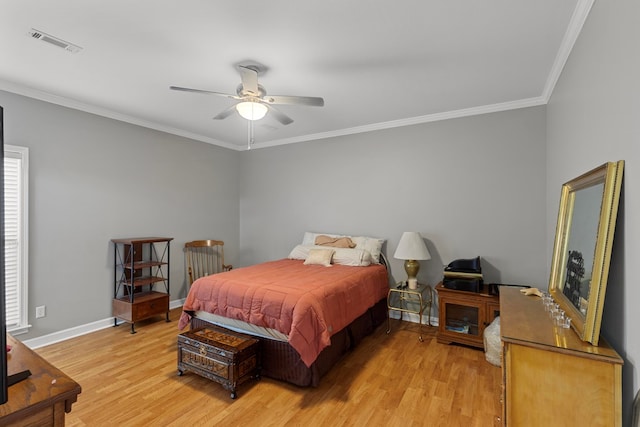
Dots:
pixel 251 110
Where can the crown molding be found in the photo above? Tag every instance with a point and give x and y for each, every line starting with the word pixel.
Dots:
pixel 455 114
pixel 104 112
pixel 579 17
pixel 70 103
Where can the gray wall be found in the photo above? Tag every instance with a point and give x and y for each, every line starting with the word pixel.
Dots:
pixel 93 179
pixel 471 186
pixel 594 117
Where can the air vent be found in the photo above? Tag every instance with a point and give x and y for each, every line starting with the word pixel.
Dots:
pixel 39 35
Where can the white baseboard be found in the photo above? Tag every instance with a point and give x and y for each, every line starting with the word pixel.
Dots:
pixel 82 330
pixel 413 317
pixel 109 322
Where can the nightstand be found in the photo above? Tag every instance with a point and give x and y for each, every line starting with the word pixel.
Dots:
pixel 465 314
pixel 406 300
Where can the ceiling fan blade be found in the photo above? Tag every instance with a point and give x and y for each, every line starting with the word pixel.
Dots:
pixel 310 101
pixel 226 113
pixel 249 78
pixel 280 116
pixel 207 92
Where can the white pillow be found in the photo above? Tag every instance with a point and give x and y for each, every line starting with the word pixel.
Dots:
pixel 371 244
pixel 352 256
pixel 300 252
pixel 319 257
pixel 344 256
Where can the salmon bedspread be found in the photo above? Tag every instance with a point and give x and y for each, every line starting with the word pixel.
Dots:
pixel 308 303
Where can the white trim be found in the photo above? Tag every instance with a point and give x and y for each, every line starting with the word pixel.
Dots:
pixel 104 112
pixel 66 102
pixel 413 318
pixel 466 112
pixel 578 19
pixel 77 331
pixel 20 330
pixel 68 333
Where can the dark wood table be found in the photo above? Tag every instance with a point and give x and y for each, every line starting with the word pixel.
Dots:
pixel 44 397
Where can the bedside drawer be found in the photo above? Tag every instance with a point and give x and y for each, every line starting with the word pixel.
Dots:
pixel 151 307
pixel 144 305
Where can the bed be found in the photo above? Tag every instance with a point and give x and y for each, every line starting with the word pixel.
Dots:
pixel 308 309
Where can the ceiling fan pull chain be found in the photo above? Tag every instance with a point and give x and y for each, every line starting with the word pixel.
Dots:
pixel 250 134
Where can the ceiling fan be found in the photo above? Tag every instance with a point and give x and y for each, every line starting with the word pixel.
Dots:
pixel 254 101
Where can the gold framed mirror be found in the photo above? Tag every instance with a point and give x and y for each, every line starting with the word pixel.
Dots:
pixel 582 248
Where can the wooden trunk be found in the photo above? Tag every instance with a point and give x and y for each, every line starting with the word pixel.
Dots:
pixel 221 355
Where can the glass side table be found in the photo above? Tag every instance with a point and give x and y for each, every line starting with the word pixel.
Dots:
pixel 406 300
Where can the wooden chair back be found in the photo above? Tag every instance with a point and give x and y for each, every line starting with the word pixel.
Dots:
pixel 205 257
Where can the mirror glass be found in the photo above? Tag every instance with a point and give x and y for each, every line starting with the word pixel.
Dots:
pixel 581 245
pixel 582 249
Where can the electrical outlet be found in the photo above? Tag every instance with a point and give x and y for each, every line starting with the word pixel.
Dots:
pixel 40 312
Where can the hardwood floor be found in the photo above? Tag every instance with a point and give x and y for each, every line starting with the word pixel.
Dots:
pixel 388 380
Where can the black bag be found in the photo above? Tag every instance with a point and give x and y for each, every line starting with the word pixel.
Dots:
pixel 465 265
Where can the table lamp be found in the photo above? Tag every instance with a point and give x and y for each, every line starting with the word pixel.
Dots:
pixel 411 249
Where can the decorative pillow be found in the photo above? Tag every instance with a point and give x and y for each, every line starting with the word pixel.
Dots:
pixel 310 237
pixel 352 256
pixel 319 257
pixel 371 244
pixel 344 256
pixel 336 242
pixel 300 252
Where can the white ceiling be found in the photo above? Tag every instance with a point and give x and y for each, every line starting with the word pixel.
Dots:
pixel 376 63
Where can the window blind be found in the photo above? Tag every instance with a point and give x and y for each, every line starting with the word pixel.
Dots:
pixel 16 214
pixel 12 214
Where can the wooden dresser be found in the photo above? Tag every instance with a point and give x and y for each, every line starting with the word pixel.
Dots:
pixel 43 398
pixel 549 376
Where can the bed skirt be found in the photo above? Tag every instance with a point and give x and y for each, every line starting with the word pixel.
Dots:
pixel 281 362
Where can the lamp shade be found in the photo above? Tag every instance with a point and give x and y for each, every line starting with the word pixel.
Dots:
pixel 412 246
pixel 251 110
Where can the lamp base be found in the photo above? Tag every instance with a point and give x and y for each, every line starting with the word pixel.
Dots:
pixel 412 266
